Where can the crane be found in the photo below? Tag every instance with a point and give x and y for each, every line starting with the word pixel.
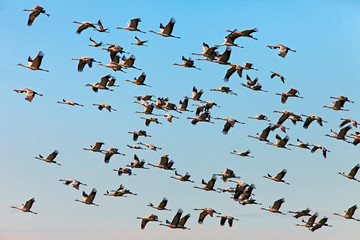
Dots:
pixel 50 158
pixel 34 64
pixel 30 94
pixel 167 30
pixel 88 199
pixel 27 206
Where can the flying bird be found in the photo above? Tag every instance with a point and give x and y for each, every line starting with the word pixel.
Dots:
pixel 50 158
pixel 30 94
pixel 133 25
pixel 88 199
pixel 34 64
pixel 34 13
pixel 27 206
pixel 167 30
pixel 283 50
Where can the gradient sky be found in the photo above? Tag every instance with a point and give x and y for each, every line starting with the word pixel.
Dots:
pixel 325 64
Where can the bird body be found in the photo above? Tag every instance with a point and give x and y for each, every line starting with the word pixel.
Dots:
pixel 30 94
pixel 88 199
pixel 27 206
pixel 75 183
pixel 34 13
pixel 279 177
pixel 133 25
pixel 50 158
pixel 34 64
pixel 167 30
pixel 276 206
pixel 283 50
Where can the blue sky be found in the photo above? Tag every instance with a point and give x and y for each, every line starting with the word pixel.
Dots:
pixel 325 64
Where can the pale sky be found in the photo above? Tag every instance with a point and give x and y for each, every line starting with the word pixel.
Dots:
pixel 325 64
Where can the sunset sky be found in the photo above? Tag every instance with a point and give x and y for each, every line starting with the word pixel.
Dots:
pixel 325 36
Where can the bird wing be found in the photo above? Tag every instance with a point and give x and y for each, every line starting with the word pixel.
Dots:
pixel 277 204
pixel 351 210
pixel 226 128
pixel 312 219
pixel 226 55
pixel 169 27
pixel 100 25
pixel 108 155
pixel 142 77
pixel 307 122
pixel 37 61
pixel 343 131
pixel 134 22
pixel 229 171
pixel 223 220
pixel 164 160
pixel 32 17
pixel 281 174
pixel 91 196
pixel 202 216
pixel 283 51
pixel 354 170
pixel 163 203
pixel 211 183
pixel 136 159
pixel 143 223
pixel 81 28
pixel 177 217
pixel 346 121
pixel 293 91
pixel 183 220
pixel 81 65
pixel 265 132
pixel 284 98
pixel 229 72
pixel 52 155
pixel 29 203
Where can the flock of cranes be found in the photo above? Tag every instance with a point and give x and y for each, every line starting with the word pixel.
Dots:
pixel 242 192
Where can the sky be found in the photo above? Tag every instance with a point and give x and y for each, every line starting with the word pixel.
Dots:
pixel 325 64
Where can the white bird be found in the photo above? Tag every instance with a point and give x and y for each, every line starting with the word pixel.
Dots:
pixel 27 206
pixel 50 158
